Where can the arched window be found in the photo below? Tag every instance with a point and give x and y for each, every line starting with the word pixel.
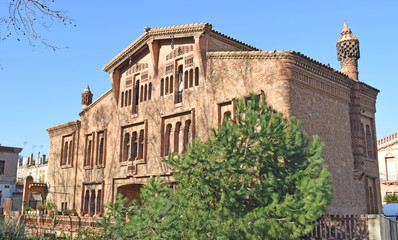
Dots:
pixel 145 92
pixel 227 115
pixel 187 134
pixel 171 84
pixel 134 146
pixel 167 140
pixel 99 202
pixel 150 91
pixel 86 201
pixel 136 95
pixel 142 93
pixel 126 98
pixel 166 88
pixel 177 139
pixel 141 145
pixel 92 202
pixel 369 142
pixel 122 100
pixel 101 150
pixel 129 97
pixel 126 147
pixel 161 86
pixel 186 79
pixel 196 76
pixel 191 78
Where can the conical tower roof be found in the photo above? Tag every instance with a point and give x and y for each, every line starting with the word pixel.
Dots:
pixel 87 90
pixel 346 34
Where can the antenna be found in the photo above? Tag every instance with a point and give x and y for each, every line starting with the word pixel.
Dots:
pixel 24 147
pixel 33 148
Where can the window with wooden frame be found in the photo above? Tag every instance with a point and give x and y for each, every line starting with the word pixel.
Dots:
pixel 92 198
pixel 101 149
pixel 136 94
pixel 67 151
pixel 134 142
pixel 177 131
pixel 89 151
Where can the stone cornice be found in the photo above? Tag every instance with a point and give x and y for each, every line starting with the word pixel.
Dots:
pixel 10 149
pixel 95 102
pixel 367 90
pixel 231 41
pixel 300 60
pixel 191 29
pixel 63 126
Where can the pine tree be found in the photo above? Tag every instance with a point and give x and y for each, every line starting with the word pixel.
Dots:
pixel 256 177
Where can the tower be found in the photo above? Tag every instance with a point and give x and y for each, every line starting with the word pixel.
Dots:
pixel 348 52
pixel 87 97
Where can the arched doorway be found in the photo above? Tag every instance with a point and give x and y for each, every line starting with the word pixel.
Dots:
pixel 35 200
pixel 130 191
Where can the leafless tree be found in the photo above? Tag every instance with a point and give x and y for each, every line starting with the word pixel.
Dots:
pixel 28 18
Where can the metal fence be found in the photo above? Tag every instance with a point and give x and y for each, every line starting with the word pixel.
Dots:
pixel 340 227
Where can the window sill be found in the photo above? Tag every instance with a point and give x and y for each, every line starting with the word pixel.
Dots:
pixel 369 159
pixel 87 167
pixel 66 166
pixel 124 163
pixel 178 105
pixel 140 161
pixel 99 166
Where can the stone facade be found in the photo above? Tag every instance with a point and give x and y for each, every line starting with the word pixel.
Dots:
pixel 388 165
pixel 174 84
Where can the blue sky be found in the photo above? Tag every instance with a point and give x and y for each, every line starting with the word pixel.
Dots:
pixel 40 88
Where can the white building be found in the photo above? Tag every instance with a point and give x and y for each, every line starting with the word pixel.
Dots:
pixel 37 168
pixel 388 164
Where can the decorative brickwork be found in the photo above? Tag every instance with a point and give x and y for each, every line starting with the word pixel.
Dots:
pixel 175 83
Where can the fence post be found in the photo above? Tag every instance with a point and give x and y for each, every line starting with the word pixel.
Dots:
pixel 374 226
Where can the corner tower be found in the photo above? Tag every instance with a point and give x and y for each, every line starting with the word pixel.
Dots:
pixel 87 97
pixel 348 52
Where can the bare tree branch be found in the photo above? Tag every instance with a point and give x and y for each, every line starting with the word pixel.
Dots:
pixel 27 18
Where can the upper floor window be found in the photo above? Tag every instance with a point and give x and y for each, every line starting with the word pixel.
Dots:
pixel 134 146
pixel 177 139
pixel 369 145
pixel 101 148
pixel 88 153
pixel 67 150
pixel 178 98
pixel 2 166
pixel 196 76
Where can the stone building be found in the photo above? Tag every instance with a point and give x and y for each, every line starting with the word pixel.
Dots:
pixel 388 165
pixel 173 84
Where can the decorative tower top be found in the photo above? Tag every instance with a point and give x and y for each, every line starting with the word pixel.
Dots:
pixel 348 52
pixel 87 97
